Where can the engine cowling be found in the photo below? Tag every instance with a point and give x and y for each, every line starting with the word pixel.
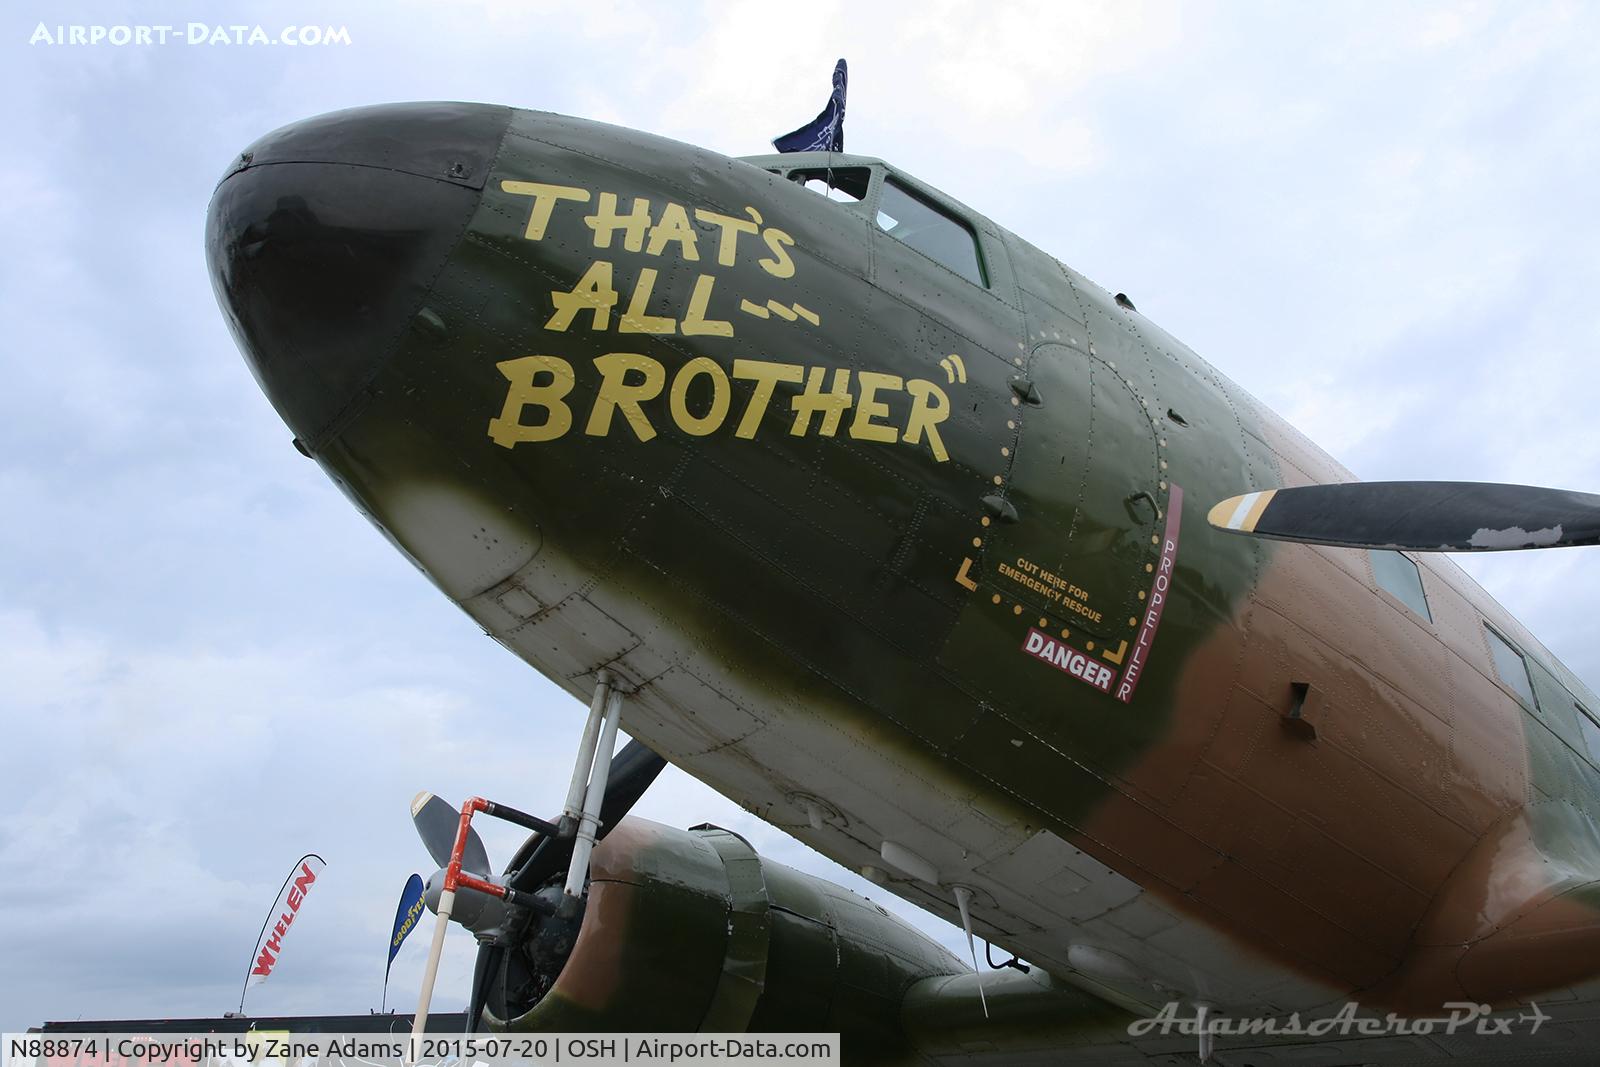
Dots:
pixel 690 930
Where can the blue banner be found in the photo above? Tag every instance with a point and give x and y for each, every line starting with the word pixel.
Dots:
pixel 825 133
pixel 406 917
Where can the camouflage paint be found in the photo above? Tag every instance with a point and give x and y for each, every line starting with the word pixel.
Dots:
pixel 807 492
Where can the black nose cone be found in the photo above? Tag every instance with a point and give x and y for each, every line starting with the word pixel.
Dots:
pixel 325 238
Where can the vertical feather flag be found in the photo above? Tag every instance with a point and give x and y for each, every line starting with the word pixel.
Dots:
pixel 405 921
pixel 291 898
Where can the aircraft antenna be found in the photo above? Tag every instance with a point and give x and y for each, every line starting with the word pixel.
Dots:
pixel 964 905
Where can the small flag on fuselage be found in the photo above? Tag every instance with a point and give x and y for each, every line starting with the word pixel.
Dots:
pixel 825 133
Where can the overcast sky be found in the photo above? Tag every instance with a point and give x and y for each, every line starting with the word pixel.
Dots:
pixel 1380 219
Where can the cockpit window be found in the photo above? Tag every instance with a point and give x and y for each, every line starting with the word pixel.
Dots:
pixel 939 236
pixel 848 185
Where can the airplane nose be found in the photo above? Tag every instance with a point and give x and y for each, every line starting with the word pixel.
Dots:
pixel 325 237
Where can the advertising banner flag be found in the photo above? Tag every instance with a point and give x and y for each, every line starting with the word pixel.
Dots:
pixel 406 917
pixel 291 898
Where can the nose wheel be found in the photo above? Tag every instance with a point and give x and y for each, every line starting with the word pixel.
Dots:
pixel 521 905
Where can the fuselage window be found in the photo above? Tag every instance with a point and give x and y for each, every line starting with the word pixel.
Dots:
pixel 937 235
pixel 1591 731
pixel 847 185
pixel 1398 575
pixel 1512 668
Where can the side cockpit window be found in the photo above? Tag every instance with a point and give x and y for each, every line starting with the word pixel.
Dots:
pixel 930 230
pixel 846 185
pixel 910 216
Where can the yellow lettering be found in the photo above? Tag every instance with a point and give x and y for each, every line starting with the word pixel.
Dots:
pixel 674 226
pixel 929 407
pixel 605 221
pixel 699 426
pixel 728 242
pixel 831 404
pixel 593 291
pixel 634 320
pixel 695 322
pixel 862 428
pixel 766 376
pixel 544 202
pixel 780 265
pixel 629 380
pixel 616 394
pixel 508 428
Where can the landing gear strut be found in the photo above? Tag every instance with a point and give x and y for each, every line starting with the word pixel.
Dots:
pixel 594 767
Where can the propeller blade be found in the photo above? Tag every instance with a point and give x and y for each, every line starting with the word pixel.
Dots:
pixel 490 958
pixel 1416 516
pixel 632 771
pixel 436 822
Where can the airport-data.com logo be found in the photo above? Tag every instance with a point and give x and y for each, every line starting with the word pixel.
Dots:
pixel 125 35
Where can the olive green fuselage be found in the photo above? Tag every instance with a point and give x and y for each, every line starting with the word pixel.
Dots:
pixel 909 564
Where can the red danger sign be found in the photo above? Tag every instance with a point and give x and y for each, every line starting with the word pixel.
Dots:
pixel 1046 649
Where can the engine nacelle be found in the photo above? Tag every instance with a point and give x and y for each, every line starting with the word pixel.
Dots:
pixel 690 930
